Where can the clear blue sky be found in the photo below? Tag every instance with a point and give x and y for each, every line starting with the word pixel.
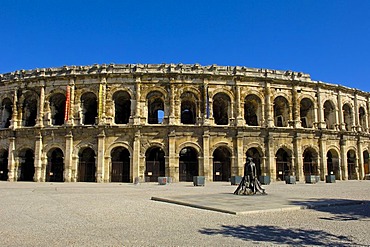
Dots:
pixel 330 40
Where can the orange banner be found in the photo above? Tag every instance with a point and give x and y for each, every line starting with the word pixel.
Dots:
pixel 68 99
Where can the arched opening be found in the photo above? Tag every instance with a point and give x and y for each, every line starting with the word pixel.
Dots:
pixel 4 165
pixel 347 117
pixel 188 108
pixel 332 162
pixel 366 162
pixel 253 153
pixel 26 168
pixel 89 108
pixel 281 112
pixel 221 107
pixel 155 107
pixel 86 165
pixel 155 164
pixel 29 108
pixel 55 166
pixel 351 164
pixel 310 162
pixel 120 171
pixel 57 108
pixel 252 110
pixel 362 118
pixel 283 164
pixel 307 114
pixel 122 107
pixel 221 164
pixel 6 113
pixel 188 164
pixel 329 114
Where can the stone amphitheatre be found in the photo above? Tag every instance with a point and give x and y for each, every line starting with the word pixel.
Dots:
pixel 137 122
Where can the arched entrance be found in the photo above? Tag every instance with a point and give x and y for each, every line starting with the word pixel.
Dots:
pixel 283 164
pixel 55 166
pixel 351 164
pixel 332 162
pixel 366 162
pixel 221 164
pixel 253 152
pixel 310 162
pixel 155 164
pixel 188 164
pixel 86 165
pixel 4 165
pixel 26 168
pixel 120 171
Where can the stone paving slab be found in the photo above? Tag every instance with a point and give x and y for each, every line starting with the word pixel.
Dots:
pixel 246 204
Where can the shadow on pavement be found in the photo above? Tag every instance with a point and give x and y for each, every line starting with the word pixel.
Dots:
pixel 278 235
pixel 341 209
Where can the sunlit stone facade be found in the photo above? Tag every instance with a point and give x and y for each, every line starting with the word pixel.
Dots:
pixel 126 123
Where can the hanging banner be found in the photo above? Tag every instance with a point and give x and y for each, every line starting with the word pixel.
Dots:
pixel 68 100
pixel 100 112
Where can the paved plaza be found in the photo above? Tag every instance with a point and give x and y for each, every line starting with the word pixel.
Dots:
pixel 179 214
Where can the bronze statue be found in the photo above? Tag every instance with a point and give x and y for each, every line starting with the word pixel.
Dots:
pixel 250 184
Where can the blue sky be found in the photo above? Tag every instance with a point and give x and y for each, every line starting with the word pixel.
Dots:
pixel 330 40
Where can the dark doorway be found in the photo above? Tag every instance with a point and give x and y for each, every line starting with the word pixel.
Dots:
pixel 366 162
pixel 309 163
pixel 89 108
pixel 57 108
pixel 351 163
pixel 333 164
pixel 282 164
pixel 120 165
pixel 188 164
pixel 55 166
pixel 4 165
pixel 253 152
pixel 86 166
pixel 155 164
pixel 26 169
pixel 6 113
pixel 221 164
pixel 122 107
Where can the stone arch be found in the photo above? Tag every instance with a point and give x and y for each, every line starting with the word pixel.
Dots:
pixel 332 162
pixel 120 164
pixel 6 112
pixel 188 163
pixel 310 161
pixel 362 117
pixel 221 163
pixel 118 144
pixel 29 108
pixel 189 107
pixel 155 163
pixel 281 111
pixel 26 166
pixel 116 89
pixel 4 164
pixel 86 165
pixel 156 106
pixel 221 108
pixel 253 110
pixel 191 144
pixel 55 165
pixel 307 112
pixel 57 103
pixel 89 106
pixel 348 120
pixel 214 91
pixel 330 114
pixel 122 107
pixel 284 167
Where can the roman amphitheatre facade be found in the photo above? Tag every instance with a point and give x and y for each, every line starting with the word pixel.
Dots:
pixel 126 123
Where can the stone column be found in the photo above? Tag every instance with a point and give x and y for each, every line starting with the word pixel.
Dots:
pixel 101 153
pixel 72 102
pixel 356 115
pixel 38 154
pixel 343 157
pixel 322 155
pixel 172 169
pixel 11 160
pixel 136 158
pixel 360 165
pixel 68 162
pixel 172 104
pixel 269 106
pixel 297 145
pixel 238 168
pixel 40 117
pixel 207 110
pixel 75 160
pixel 271 159
pixel 15 122
pixel 107 169
pixel 319 103
pixel 295 109
pixel 207 167
pixel 137 117
pixel 102 100
pixel 342 125
pixel 238 102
